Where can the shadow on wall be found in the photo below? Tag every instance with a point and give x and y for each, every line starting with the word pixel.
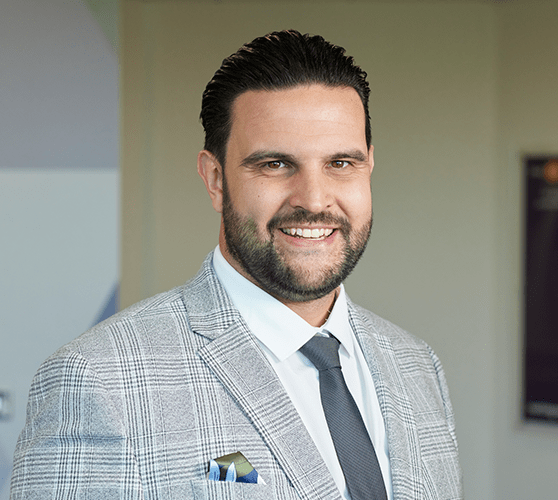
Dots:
pixel 5 470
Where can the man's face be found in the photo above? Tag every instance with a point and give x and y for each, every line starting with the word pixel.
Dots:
pixel 296 205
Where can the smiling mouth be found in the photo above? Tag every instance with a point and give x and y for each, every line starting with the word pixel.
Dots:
pixel 310 234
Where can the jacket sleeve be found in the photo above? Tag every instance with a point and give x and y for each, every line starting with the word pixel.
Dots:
pixel 445 460
pixel 444 393
pixel 74 443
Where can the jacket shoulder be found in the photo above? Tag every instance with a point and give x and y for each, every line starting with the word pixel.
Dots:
pixel 379 327
pixel 164 319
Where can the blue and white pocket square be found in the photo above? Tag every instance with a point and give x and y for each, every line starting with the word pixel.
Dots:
pixel 233 468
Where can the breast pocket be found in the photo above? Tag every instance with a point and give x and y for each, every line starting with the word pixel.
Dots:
pixel 221 490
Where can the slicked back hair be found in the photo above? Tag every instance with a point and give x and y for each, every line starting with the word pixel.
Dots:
pixel 279 60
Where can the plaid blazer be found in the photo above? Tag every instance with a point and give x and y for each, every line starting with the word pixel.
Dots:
pixel 137 406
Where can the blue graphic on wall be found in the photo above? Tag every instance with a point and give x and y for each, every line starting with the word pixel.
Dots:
pixel 111 305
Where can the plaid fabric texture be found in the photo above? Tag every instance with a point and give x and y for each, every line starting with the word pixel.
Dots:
pixel 137 406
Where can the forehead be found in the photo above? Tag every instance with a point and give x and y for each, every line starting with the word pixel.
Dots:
pixel 289 116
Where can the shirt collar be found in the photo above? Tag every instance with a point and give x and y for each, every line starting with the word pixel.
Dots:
pixel 278 328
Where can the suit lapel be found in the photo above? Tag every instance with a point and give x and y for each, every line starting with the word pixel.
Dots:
pixel 236 360
pixel 396 407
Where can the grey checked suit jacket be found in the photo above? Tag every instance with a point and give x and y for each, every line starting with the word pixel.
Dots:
pixel 137 406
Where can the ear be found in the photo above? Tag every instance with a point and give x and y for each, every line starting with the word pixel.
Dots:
pixel 371 158
pixel 211 172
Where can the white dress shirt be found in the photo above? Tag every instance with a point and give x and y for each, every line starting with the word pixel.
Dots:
pixel 281 333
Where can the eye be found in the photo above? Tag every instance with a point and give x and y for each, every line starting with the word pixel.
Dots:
pixel 275 164
pixel 339 164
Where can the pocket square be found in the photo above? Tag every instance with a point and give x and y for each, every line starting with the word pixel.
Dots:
pixel 233 468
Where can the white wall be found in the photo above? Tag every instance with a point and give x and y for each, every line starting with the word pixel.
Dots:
pixel 59 189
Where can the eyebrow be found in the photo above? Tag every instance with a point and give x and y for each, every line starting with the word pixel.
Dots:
pixel 355 154
pixel 256 156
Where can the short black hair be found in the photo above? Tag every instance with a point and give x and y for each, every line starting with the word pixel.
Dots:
pixel 278 60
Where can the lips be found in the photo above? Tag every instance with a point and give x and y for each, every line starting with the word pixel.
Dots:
pixel 307 233
pixel 309 226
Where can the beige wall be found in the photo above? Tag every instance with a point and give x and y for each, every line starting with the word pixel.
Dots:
pixel 527 118
pixel 451 110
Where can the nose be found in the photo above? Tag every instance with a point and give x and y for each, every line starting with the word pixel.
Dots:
pixel 312 190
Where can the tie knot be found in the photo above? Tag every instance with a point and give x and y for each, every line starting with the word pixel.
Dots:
pixel 322 351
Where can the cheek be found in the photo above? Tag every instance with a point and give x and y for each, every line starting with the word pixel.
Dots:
pixel 260 199
pixel 357 203
pixel 252 203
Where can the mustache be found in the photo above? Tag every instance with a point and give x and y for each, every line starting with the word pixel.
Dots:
pixel 302 216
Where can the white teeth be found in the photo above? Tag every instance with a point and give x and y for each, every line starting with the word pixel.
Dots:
pixel 308 233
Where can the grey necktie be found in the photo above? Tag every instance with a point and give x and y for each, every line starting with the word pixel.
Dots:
pixel 351 440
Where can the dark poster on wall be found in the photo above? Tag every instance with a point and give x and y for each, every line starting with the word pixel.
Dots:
pixel 541 289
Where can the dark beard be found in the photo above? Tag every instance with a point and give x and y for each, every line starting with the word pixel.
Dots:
pixel 260 259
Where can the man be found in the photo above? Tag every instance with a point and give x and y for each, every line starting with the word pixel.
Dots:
pixel 150 403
